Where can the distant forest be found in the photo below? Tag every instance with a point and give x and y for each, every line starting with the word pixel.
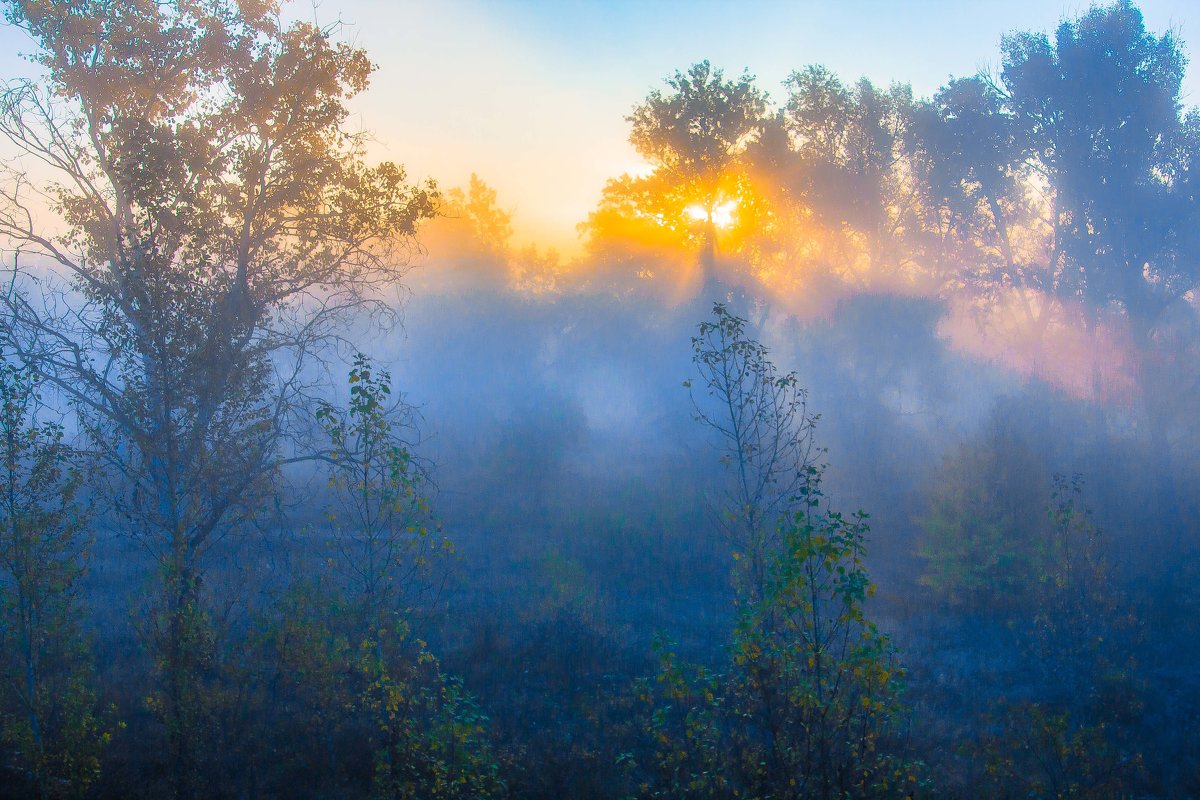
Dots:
pixel 857 454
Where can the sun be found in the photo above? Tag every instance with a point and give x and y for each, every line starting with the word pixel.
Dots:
pixel 723 214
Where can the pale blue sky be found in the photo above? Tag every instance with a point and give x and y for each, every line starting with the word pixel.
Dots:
pixel 532 94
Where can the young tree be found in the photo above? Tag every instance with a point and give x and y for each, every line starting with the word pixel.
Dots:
pixel 808 705
pixel 381 525
pixel 818 678
pixel 217 224
pixel 48 710
pixel 765 438
pixel 428 735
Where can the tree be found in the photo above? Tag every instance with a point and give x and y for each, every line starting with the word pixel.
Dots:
pixel 1061 206
pixel 693 137
pixel 490 225
pixel 854 146
pixel 428 735
pixel 1102 115
pixel 766 439
pixel 809 704
pixel 381 526
pixel 985 230
pixel 48 708
pixel 218 224
pixel 470 239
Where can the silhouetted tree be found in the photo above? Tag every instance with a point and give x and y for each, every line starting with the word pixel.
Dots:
pixel 1098 114
pixel 975 176
pixel 695 132
pixel 693 136
pixel 469 242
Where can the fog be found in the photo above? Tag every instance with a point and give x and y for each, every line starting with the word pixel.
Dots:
pixel 853 455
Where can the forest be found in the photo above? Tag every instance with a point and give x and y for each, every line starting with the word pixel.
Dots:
pixel 854 455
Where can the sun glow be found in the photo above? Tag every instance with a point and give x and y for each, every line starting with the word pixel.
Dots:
pixel 722 213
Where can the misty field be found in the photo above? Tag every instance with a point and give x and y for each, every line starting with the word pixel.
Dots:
pixel 849 452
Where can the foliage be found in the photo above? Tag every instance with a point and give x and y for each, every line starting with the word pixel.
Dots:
pixel 818 198
pixel 49 715
pixel 381 528
pixel 851 152
pixel 688 743
pixel 470 239
pixel 982 527
pixel 852 137
pixel 1045 753
pixel 304 643
pixel 809 705
pixel 431 739
pixel 490 225
pixel 366 713
pixel 218 223
pixel 342 642
pixel 815 666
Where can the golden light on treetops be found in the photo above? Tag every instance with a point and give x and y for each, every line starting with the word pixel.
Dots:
pixel 842 188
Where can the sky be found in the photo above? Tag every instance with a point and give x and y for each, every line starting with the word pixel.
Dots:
pixel 532 95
